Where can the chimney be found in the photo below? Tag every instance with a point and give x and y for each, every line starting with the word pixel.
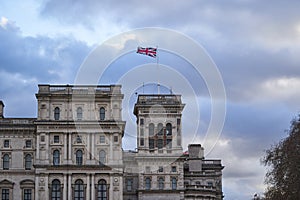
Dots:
pixel 196 151
pixel 1 109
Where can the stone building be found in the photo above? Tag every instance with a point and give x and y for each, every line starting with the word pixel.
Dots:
pixel 73 149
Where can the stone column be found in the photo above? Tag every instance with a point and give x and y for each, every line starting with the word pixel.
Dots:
pixel 88 153
pixel 70 187
pixel 93 187
pixel 36 188
pixel 88 186
pixel 70 148
pixel 46 187
pixel 38 147
pixel 65 147
pixel 93 147
pixel 65 187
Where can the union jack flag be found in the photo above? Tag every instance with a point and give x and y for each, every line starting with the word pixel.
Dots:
pixel 149 51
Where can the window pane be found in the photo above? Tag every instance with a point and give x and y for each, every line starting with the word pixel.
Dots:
pixel 142 141
pixel 102 190
pixel 27 194
pixel 6 161
pixel 6 143
pixel 79 190
pixel 161 183
pixel 169 129
pixel 28 161
pixel 56 138
pixel 174 183
pixel 56 113
pixel 102 139
pixel 79 157
pixel 129 184
pixel 56 157
pixel 56 190
pixel 151 143
pixel 5 194
pixel 79 113
pixel 147 183
pixel 28 143
pixel 102 113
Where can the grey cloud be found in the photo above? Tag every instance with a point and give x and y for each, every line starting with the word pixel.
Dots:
pixel 40 56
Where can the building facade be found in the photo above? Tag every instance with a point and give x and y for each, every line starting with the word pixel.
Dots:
pixel 73 150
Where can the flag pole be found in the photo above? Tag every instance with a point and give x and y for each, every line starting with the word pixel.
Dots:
pixel 157 65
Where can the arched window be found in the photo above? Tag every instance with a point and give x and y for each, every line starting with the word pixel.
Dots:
pixel 147 183
pixel 160 129
pixel 28 161
pixel 56 190
pixel 161 183
pixel 169 129
pixel 56 157
pixel 79 156
pixel 56 113
pixel 102 190
pixel 102 113
pixel 174 183
pixel 79 113
pixel 151 129
pixel 6 161
pixel 79 190
pixel 102 157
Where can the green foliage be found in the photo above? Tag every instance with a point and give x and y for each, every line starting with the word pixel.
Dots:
pixel 283 161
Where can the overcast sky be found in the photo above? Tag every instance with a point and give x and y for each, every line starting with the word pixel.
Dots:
pixel 255 45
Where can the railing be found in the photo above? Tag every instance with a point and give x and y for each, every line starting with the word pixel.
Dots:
pixel 79 89
pixel 161 99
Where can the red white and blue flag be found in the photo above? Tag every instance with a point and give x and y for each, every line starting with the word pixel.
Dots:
pixel 149 51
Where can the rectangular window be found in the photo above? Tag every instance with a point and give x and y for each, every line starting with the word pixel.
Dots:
pixel 160 169
pixel 129 185
pixel 173 169
pixel 6 144
pixel 141 121
pixel 102 139
pixel 56 138
pixel 210 184
pixel 78 139
pixel 174 183
pixel 151 143
pixel 42 138
pixel 147 183
pixel 27 194
pixel 5 194
pixel 116 138
pixel 142 142
pixel 178 121
pixel 28 143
